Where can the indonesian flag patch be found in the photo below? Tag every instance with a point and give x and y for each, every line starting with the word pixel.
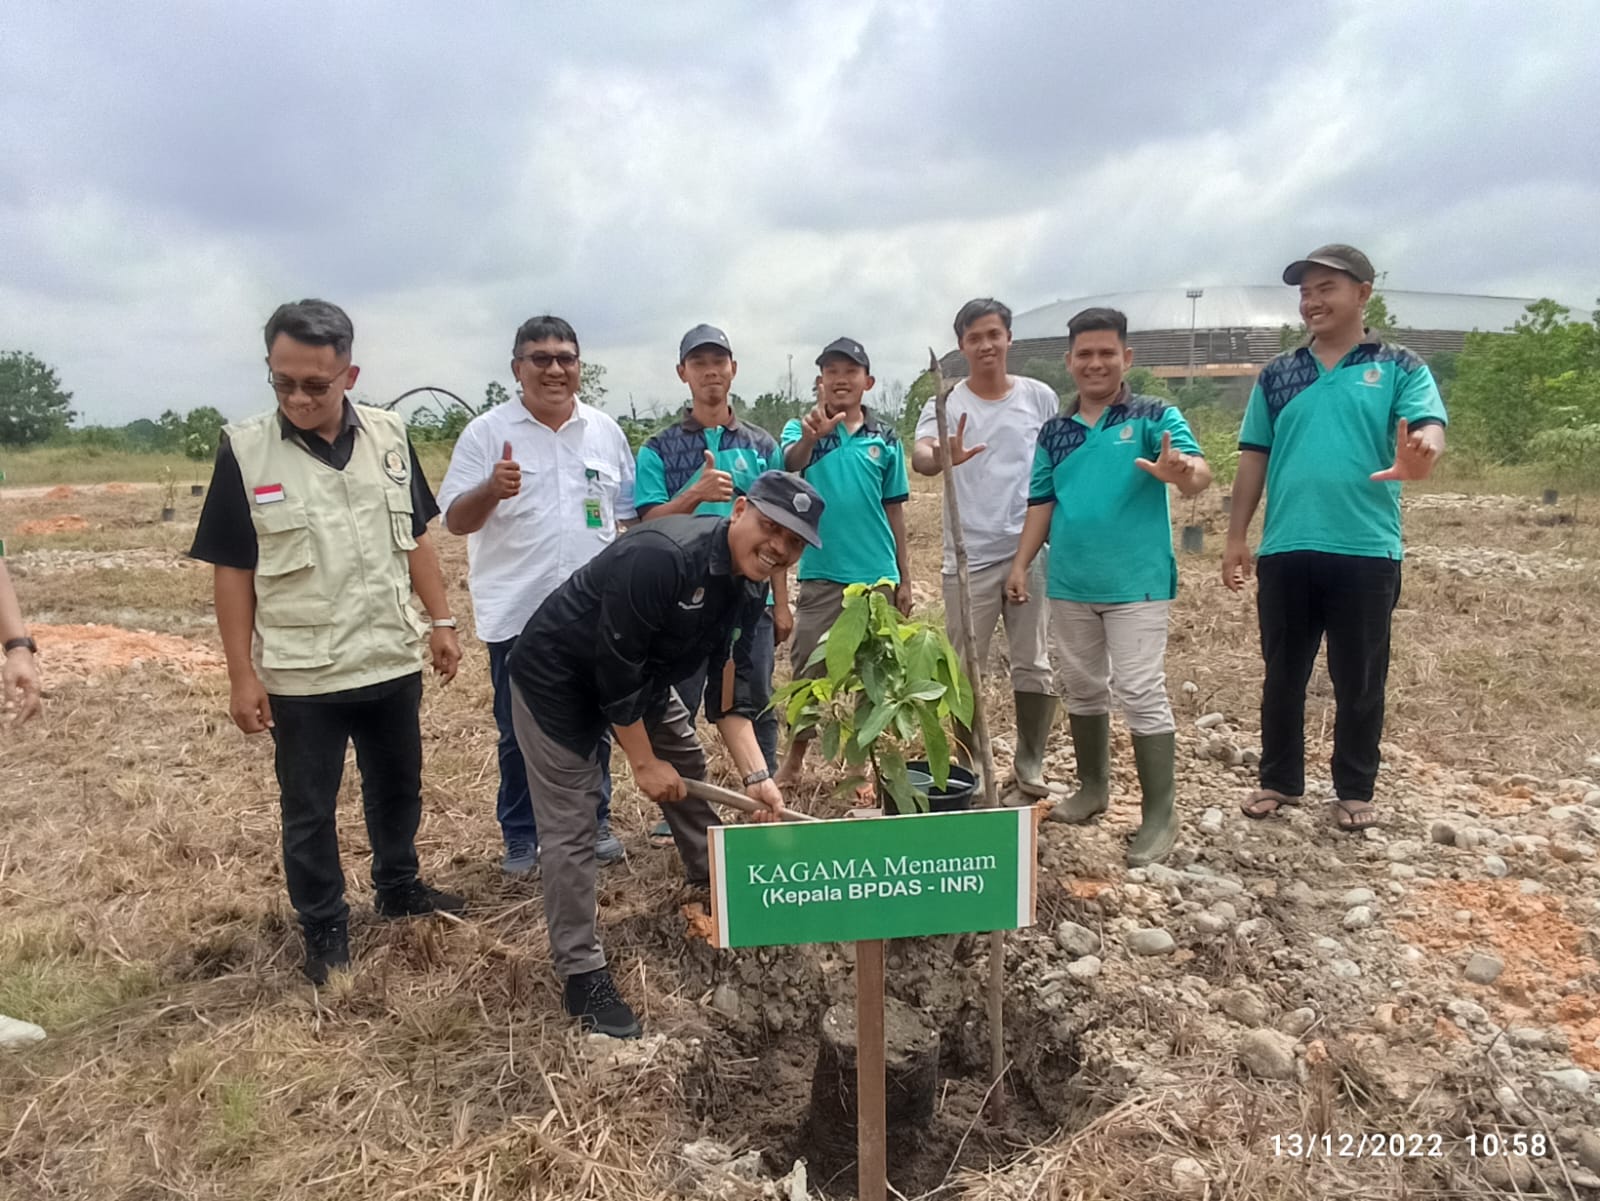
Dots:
pixel 266 494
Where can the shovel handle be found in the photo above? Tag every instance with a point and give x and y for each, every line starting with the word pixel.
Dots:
pixel 717 795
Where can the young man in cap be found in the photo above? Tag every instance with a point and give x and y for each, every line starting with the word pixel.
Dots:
pixel 855 462
pixel 699 465
pixel 526 536
pixel 1331 431
pixel 316 524
pixel 607 649
pixel 996 420
pixel 1099 497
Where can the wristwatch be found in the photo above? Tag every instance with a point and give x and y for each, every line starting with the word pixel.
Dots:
pixel 24 643
pixel 445 623
pixel 756 777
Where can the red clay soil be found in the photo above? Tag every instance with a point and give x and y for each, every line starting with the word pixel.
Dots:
pixel 69 524
pixel 91 652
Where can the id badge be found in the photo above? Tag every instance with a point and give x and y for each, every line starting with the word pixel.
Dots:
pixel 592 518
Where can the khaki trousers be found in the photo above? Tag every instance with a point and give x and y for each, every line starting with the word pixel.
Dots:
pixel 1027 626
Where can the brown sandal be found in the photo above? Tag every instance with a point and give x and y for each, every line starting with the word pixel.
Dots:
pixel 1277 800
pixel 1353 820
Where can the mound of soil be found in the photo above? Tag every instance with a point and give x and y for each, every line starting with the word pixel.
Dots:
pixel 91 652
pixel 70 523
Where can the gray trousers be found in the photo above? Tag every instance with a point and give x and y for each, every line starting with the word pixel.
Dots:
pixel 1115 651
pixel 565 787
pixel 1027 626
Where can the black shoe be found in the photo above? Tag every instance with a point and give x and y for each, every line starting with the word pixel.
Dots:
pixel 327 947
pixel 416 900
pixel 593 999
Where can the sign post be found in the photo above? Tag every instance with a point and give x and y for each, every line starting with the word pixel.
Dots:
pixel 863 882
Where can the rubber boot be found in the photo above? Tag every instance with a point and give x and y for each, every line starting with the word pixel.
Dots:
pixel 1036 713
pixel 1091 743
pixel 1153 755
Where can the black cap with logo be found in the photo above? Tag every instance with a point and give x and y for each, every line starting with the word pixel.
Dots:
pixel 1336 255
pixel 849 348
pixel 702 335
pixel 790 501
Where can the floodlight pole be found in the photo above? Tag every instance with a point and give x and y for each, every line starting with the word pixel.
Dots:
pixel 980 728
pixel 1194 295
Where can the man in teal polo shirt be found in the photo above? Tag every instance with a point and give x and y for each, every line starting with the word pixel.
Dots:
pixel 700 465
pixel 857 465
pixel 1098 494
pixel 1322 423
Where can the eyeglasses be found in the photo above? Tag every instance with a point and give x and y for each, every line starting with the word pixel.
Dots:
pixel 316 389
pixel 542 359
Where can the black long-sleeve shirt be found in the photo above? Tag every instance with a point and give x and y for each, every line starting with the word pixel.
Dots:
pixel 606 647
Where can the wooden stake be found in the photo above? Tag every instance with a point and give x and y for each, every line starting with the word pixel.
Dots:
pixel 980 727
pixel 872 1133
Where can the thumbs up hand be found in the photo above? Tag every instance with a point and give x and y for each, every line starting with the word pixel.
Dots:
pixel 713 486
pixel 505 481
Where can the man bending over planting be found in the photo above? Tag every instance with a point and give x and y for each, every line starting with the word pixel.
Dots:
pixel 605 650
pixel 316 523
pixel 1099 496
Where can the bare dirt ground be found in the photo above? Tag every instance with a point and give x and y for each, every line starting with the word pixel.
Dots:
pixel 1241 1022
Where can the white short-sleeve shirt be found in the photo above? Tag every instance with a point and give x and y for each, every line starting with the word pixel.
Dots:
pixel 992 488
pixel 577 484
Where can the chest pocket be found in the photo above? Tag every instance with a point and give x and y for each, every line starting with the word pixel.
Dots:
pixel 601 482
pixel 293 616
pixel 283 539
pixel 400 518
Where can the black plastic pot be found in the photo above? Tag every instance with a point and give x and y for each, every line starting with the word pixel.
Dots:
pixel 1194 539
pixel 1227 504
pixel 197 489
pixel 1551 496
pixel 957 792
pixel 169 514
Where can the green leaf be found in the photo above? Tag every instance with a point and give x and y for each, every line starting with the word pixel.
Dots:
pixel 896 793
pixel 876 722
pixel 844 638
pixel 830 741
pixel 905 722
pixel 937 747
pixel 961 703
pixel 928 692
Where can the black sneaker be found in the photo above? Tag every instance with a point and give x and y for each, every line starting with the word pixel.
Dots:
pixel 593 999
pixel 327 947
pixel 417 900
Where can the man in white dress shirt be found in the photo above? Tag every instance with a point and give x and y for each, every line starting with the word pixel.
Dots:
pixel 526 536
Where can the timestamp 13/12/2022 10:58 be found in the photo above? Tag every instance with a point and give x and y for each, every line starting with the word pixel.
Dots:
pixel 1298 1145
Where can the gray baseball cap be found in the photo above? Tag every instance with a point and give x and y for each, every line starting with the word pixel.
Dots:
pixel 1336 255
pixel 702 335
pixel 790 501
pixel 849 348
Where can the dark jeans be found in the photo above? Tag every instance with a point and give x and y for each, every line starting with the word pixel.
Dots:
pixel 310 736
pixel 513 807
pixel 692 689
pixel 1303 595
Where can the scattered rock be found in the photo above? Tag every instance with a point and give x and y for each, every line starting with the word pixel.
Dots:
pixel 1244 1005
pixel 1588 1150
pixel 1569 1080
pixel 1297 1021
pixel 1210 823
pixel 1402 850
pixel 1570 850
pixel 1358 896
pixel 1086 968
pixel 1268 1054
pixel 15 1033
pixel 1495 866
pixel 1077 940
pixel 1298 892
pixel 1190 688
pixel 1210 923
pixel 1209 721
pixel 1483 968
pixel 1592 798
pixel 1189 1179
pixel 1508 1172
pixel 1467 1013
pixel 1443 833
pixel 1359 917
pixel 725 1000
pixel 1150 941
pixel 1526 1037
pixel 1345 969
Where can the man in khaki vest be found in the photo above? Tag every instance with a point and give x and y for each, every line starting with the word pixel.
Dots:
pixel 316 524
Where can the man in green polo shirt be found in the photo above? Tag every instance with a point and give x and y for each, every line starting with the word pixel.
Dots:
pixel 857 465
pixel 1098 494
pixel 1331 431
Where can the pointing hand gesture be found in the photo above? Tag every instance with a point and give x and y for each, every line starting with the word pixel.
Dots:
pixel 1171 466
pixel 713 485
pixel 960 452
pixel 819 423
pixel 1414 455
pixel 505 480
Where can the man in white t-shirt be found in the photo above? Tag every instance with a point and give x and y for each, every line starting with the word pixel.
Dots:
pixel 995 420
pixel 525 537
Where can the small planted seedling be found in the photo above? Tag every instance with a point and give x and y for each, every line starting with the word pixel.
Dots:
pixel 891 685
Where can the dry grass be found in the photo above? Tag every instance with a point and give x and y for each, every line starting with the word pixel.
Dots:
pixel 143 922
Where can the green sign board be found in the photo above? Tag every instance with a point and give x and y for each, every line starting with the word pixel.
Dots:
pixel 882 877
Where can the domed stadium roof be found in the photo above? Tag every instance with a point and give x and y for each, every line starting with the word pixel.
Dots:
pixel 1267 306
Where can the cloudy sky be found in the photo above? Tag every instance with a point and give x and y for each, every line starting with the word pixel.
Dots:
pixel 791 171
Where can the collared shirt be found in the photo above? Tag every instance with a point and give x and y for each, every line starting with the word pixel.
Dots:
pixel 992 487
pixel 577 484
pixel 1111 531
pixel 857 474
pixel 226 537
pixel 674 458
pixel 647 611
pixel 1326 430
